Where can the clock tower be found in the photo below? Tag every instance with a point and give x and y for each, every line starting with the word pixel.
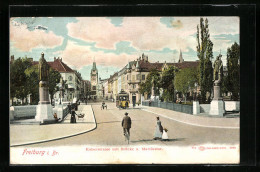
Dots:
pixel 94 80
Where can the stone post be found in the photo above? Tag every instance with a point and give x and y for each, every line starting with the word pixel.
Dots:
pixel 196 108
pixel 217 105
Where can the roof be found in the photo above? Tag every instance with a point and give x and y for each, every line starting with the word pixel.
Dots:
pixel 58 65
pixel 147 66
pixel 94 67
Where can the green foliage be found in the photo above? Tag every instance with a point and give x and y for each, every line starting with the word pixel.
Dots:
pixel 32 75
pixel 18 84
pixel 225 84
pixel 54 79
pixel 205 55
pixel 153 79
pixel 233 85
pixel 185 80
pixel 167 83
pixel 24 80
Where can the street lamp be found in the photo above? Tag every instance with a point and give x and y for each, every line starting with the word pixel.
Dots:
pixel 60 93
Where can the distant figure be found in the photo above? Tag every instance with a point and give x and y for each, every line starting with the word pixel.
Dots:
pixel 126 124
pixel 103 105
pixel 158 129
pixel 150 102
pixel 73 117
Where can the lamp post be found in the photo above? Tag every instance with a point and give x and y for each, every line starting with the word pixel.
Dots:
pixel 60 93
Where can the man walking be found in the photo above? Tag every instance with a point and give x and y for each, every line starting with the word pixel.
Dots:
pixel 126 123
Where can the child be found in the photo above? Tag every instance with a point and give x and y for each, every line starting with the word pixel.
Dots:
pixel 165 135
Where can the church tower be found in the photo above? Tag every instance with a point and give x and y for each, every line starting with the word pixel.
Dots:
pixel 180 58
pixel 94 80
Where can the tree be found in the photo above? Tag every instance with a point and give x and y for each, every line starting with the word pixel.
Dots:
pixel 54 79
pixel 152 80
pixel 225 84
pixel 205 55
pixel 18 79
pixel 185 80
pixel 32 75
pixel 233 66
pixel 167 83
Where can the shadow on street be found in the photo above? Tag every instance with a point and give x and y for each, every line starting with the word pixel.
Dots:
pixel 169 140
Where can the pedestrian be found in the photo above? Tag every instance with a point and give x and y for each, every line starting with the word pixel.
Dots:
pixel 126 124
pixel 150 102
pixel 103 105
pixel 158 129
pixel 165 135
pixel 73 116
pixel 69 107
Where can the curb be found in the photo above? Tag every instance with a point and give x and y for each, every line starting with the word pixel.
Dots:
pixel 197 125
pixel 43 141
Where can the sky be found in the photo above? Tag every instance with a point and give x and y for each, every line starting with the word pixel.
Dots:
pixel 114 41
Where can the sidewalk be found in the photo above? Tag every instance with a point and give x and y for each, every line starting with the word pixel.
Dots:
pixel 195 120
pixel 29 134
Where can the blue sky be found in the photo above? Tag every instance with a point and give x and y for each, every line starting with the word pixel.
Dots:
pixel 113 41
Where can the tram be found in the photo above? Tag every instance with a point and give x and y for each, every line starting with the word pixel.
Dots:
pixel 122 100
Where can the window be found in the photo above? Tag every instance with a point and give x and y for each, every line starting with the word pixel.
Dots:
pixel 133 77
pixel 138 76
pixel 94 87
pixel 70 78
pixel 143 77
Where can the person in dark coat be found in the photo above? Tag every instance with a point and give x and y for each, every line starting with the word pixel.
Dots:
pixel 126 123
pixel 69 107
pixel 73 117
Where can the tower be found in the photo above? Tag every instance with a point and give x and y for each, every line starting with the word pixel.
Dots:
pixel 180 57
pixel 94 80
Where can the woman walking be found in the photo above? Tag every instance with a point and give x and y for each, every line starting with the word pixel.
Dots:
pixel 158 130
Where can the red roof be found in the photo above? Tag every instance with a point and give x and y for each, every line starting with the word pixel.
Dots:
pixel 58 65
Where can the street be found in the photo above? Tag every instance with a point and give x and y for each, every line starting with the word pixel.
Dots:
pixel 109 131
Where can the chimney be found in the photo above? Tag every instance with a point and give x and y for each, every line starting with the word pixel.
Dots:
pixel 61 59
pixel 54 58
pixel 42 55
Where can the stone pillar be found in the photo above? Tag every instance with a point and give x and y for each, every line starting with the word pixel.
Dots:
pixel 44 93
pixel 196 107
pixel 217 105
pixel 44 109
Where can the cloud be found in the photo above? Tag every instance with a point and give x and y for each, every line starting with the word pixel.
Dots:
pixel 78 56
pixel 144 33
pixel 26 40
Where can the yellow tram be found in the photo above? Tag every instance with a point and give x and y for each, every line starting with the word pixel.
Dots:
pixel 122 100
